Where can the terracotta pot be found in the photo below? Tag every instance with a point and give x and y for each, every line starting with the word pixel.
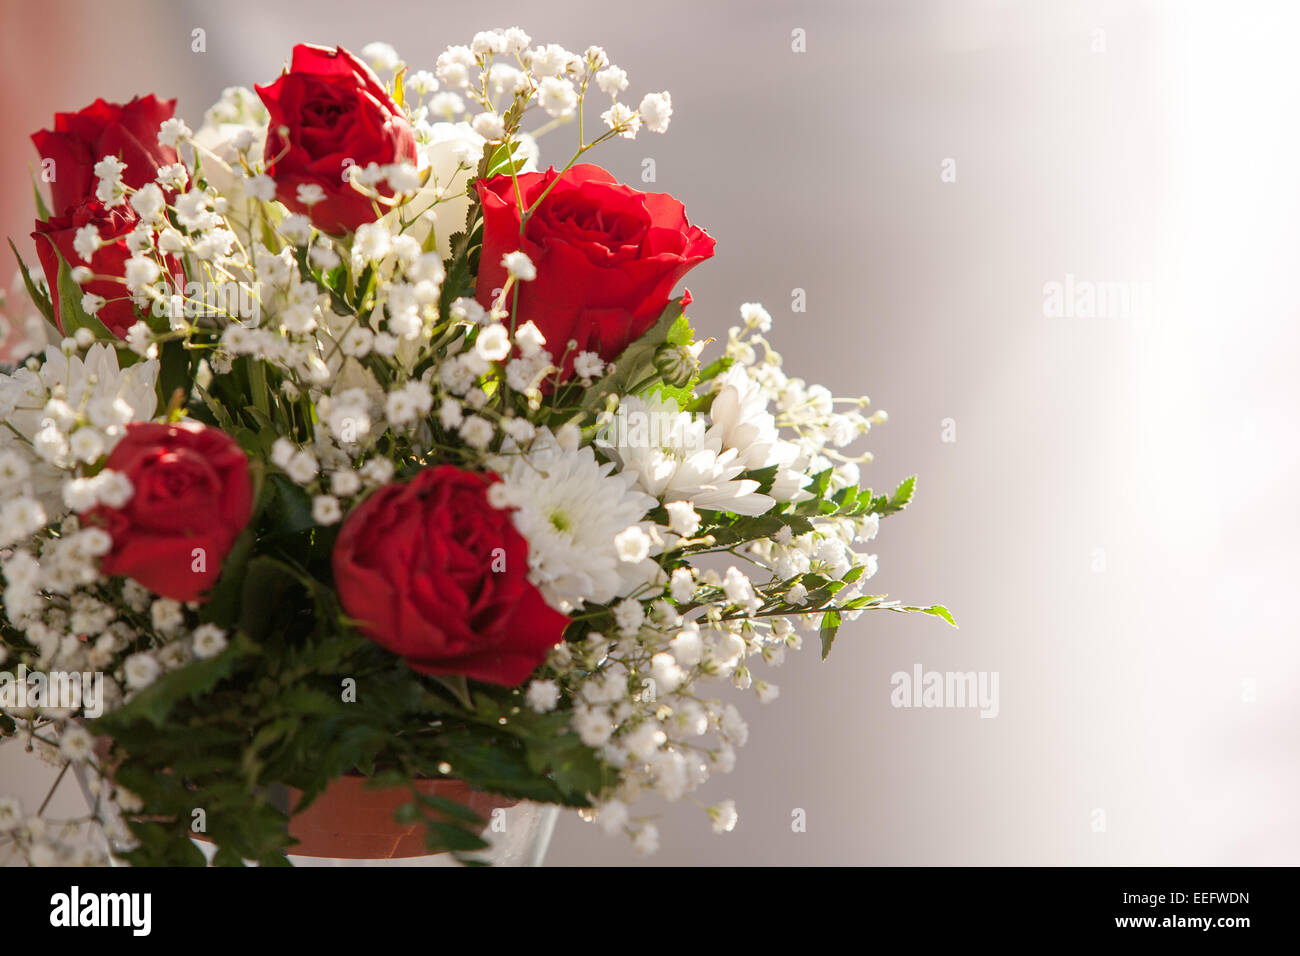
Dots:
pixel 351 821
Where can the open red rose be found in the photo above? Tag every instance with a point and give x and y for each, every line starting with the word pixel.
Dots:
pixel 607 257
pixel 79 140
pixel 330 112
pixel 59 232
pixel 436 574
pixel 191 498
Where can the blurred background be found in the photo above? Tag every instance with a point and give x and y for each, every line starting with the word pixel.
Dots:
pixel 1107 497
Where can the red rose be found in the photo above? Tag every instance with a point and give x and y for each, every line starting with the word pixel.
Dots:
pixel 191 498
pixel 436 574
pixel 607 257
pixel 78 141
pixel 330 112
pixel 58 232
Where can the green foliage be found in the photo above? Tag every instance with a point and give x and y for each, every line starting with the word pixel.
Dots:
pixel 734 530
pixel 635 369
pixel 39 299
pixel 853 501
pixel 74 317
pixel 271 711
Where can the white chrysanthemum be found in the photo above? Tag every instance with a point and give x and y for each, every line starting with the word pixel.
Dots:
pixel 109 396
pixel 572 508
pixel 675 456
pixel 99 383
pixel 740 420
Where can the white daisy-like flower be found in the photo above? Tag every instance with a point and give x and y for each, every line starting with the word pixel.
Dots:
pixel 675 456
pixel 572 508
pixel 741 421
pixel 95 381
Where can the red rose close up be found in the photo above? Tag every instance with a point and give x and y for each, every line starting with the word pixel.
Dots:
pixel 79 140
pixel 607 256
pixel 330 112
pixel 437 575
pixel 58 233
pixel 192 496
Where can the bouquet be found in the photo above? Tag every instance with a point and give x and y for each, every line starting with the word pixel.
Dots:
pixel 365 447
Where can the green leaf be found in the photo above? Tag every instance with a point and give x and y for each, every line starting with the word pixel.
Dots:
pixel 42 302
pixel 896 502
pixel 716 368
pixel 225 856
pixel 450 808
pixel 903 494
pixel 637 361
pixel 440 837
pixel 743 529
pixel 290 509
pixel 458 686
pixel 938 610
pixel 829 628
pixel 42 211
pixel 765 477
pixel 262 597
pixel 155 703
pixel 222 605
pixel 174 371
pixel 75 317
pixel 218 410
pixel 503 160
pixel 680 332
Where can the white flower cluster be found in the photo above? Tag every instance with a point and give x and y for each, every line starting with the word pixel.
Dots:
pixel 639 693
pixel 502 73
